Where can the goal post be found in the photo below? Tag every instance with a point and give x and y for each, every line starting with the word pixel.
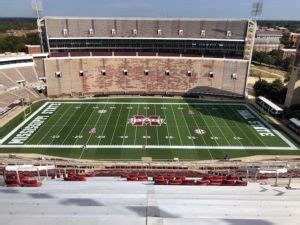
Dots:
pixel 27 108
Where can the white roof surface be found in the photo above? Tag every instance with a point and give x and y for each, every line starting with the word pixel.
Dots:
pixel 114 201
pixel 295 121
pixel 267 101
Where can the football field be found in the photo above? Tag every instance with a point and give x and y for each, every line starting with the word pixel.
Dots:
pixel 97 126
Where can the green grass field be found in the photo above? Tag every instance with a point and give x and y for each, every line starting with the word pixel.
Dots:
pixel 133 128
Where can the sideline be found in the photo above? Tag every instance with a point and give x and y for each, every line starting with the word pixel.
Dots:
pixel 23 123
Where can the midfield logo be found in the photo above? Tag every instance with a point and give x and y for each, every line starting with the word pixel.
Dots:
pixel 141 120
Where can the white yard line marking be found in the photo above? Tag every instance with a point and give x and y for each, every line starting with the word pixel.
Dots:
pixel 22 124
pixel 96 125
pixel 218 126
pixel 126 124
pixel 197 125
pixel 100 139
pixel 272 128
pixel 85 125
pixel 176 125
pixel 148 146
pixel 256 135
pixel 249 139
pixel 156 127
pixel 56 122
pixel 153 103
pixel 112 136
pixel 136 127
pixel 146 127
pixel 291 145
pixel 187 127
pixel 74 125
pixel 167 125
pixel 200 114
pixel 224 121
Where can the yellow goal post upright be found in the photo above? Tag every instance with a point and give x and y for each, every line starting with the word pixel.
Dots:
pixel 26 106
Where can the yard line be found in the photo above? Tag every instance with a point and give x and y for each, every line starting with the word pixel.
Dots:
pixel 96 125
pixel 136 126
pixel 45 124
pixel 272 128
pixel 156 127
pixel 73 126
pixel 225 122
pixel 255 134
pixel 22 123
pixel 187 125
pixel 202 136
pixel 85 124
pixel 57 121
pixel 242 131
pixel 105 125
pixel 156 103
pixel 146 127
pixel 63 126
pixel 167 125
pixel 208 127
pixel 126 125
pixel 65 147
pixel 112 137
pixel 83 149
pixel 176 125
pixel 218 126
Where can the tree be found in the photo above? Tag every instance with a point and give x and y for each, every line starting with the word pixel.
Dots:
pixel 17 44
pixel 275 91
pixel 287 42
pixel 261 87
pixel 259 56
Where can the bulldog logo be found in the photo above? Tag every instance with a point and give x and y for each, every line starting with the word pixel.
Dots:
pixel 141 120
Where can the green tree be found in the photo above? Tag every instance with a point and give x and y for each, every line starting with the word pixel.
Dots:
pixel 17 44
pixel 276 91
pixel 261 87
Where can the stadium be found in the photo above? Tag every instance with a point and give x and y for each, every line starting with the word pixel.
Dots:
pixel 142 121
pixel 130 88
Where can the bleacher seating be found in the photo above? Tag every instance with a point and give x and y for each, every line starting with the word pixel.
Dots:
pixel 5 81
pixel 12 91
pixel 176 82
pixel 12 74
pixel 28 73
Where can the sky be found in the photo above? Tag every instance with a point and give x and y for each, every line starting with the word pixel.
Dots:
pixel 272 9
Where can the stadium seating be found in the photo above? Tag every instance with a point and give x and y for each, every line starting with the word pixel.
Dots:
pixel 28 73
pixel 166 76
pixel 14 180
pixel 13 90
pixel 13 75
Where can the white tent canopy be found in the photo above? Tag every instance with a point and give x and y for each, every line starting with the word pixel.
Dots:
pixel 28 168
pixel 265 170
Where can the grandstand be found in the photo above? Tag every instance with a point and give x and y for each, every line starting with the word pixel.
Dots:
pixel 113 200
pixel 19 80
pixel 102 56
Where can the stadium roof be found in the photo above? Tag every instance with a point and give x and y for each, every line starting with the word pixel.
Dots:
pixel 145 18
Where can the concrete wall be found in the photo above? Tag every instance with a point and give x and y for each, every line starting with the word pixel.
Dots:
pixel 136 82
pixel 293 93
pixel 79 27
